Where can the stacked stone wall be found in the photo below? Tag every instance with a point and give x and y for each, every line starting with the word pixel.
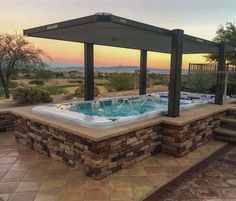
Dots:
pixel 7 122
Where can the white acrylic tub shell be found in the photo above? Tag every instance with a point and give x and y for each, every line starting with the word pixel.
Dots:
pixel 100 122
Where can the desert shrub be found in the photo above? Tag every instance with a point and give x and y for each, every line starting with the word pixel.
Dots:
pixel 29 95
pixel 161 80
pixel 80 91
pixel 13 84
pixel 54 90
pixel 68 97
pixel 76 81
pixel 231 88
pixel 200 82
pixel 1 92
pixel 121 81
pixel 37 82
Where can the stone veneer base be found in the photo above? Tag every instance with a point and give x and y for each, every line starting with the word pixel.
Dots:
pixel 7 122
pixel 102 158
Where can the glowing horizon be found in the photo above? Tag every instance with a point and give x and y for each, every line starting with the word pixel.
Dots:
pixel 71 54
pixel 196 20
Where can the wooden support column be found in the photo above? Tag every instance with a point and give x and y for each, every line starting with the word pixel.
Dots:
pixel 175 72
pixel 219 94
pixel 143 72
pixel 88 72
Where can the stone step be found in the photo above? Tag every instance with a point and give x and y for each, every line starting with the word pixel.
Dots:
pixel 228 120
pixel 227 139
pixel 225 134
pixel 229 123
pixel 231 113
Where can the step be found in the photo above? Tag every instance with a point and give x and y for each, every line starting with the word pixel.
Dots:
pixel 231 112
pixel 225 132
pixel 226 139
pixel 228 120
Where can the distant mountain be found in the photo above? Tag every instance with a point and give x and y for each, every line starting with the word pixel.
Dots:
pixel 113 69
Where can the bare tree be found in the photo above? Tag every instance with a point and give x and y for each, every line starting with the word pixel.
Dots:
pixel 17 53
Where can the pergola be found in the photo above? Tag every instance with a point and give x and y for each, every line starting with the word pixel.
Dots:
pixel 107 29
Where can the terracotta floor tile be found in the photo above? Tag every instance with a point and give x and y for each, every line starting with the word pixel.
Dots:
pixel 2 174
pixel 5 197
pixel 184 161
pixel 57 174
pixel 5 167
pixel 97 194
pixel 43 158
pixel 74 173
pixel 35 175
pixel 72 195
pixel 24 196
pixel 47 196
pixel 173 170
pixel 150 162
pixel 22 166
pixel 8 187
pixel 28 186
pixel 52 185
pixel 158 180
pixel 4 152
pixel 7 159
pixel 41 165
pixel 137 181
pixel 137 171
pixel 103 183
pixel 141 191
pixel 119 181
pixel 13 153
pixel 58 165
pixel 123 172
pixel 76 183
pixel 167 162
pixel 12 176
pixel 153 170
pixel 121 193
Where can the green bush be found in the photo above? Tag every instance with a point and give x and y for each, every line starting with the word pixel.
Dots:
pixel 200 82
pixel 121 81
pixel 54 90
pixel 231 88
pixel 30 95
pixel 161 80
pixel 76 81
pixel 80 91
pixel 37 82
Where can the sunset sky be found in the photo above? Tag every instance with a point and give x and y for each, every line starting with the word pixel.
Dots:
pixel 200 18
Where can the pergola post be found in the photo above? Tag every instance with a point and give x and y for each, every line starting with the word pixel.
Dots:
pixel 175 72
pixel 143 72
pixel 219 94
pixel 88 72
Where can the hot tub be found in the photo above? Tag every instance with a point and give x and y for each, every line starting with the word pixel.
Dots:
pixel 112 112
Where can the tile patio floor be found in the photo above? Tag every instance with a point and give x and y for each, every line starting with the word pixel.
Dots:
pixel 26 175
